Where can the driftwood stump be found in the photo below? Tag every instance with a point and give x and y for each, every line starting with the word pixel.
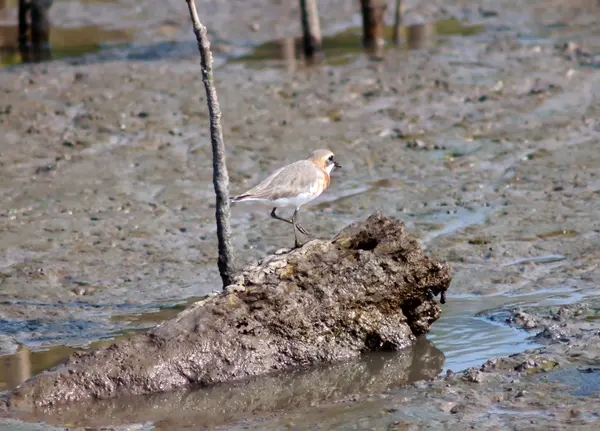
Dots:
pixel 373 12
pixel 370 288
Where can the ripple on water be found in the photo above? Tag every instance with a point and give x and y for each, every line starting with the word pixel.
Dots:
pixel 468 335
pixel 468 340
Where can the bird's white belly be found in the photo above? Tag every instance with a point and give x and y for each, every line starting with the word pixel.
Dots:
pixel 296 201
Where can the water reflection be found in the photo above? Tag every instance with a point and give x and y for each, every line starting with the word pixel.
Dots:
pixel 16 368
pixel 33 39
pixel 288 53
pixel 341 48
pixel 227 402
pixel 419 35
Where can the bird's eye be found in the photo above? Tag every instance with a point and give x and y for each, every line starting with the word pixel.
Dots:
pixel 330 158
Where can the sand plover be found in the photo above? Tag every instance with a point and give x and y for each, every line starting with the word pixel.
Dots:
pixel 293 186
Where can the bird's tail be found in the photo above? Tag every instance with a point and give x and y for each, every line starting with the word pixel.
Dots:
pixel 237 198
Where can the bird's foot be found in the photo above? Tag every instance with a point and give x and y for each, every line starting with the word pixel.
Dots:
pixel 298 244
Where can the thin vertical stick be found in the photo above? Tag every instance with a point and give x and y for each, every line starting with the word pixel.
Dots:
pixel 220 175
pixel 311 28
pixel 23 7
pixel 398 22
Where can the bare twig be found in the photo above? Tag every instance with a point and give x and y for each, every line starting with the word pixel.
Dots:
pixel 220 175
pixel 398 22
pixel 311 29
pixel 23 25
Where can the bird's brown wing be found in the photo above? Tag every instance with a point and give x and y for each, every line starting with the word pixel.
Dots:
pixel 286 182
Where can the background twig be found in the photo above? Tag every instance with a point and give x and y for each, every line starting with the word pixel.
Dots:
pixel 220 175
pixel 311 30
pixel 398 21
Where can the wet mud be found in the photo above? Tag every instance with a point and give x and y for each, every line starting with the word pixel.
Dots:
pixel 484 143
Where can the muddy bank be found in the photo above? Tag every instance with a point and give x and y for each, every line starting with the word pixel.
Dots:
pixel 484 144
pixel 371 288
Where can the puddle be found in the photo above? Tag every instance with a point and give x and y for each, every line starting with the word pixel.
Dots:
pixel 228 402
pixel 342 47
pixel 64 41
pixel 469 339
pixel 45 343
pixel 20 366
pixel 338 49
pixel 36 333
pixel 471 329
pixel 466 335
pixel 102 321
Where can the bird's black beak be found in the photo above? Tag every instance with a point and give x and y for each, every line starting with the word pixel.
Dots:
pixel 336 164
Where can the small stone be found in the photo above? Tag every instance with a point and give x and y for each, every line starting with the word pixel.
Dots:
pixel 457 409
pixel 79 291
pixel 473 375
pixel 232 288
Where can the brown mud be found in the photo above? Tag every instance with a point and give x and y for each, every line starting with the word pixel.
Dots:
pixel 484 144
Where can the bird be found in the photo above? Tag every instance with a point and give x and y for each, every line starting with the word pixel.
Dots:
pixel 294 185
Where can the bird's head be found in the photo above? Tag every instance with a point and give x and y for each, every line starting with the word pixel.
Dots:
pixel 325 160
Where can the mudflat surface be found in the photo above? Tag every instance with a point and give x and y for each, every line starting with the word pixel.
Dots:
pixel 483 139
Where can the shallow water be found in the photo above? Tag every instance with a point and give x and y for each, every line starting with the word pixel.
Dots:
pixel 72 42
pixel 65 42
pixel 297 389
pixel 344 46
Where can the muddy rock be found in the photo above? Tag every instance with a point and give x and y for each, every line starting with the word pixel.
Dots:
pixel 369 288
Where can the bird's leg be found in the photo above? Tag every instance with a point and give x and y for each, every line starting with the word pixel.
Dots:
pixel 275 216
pixel 297 244
pixel 302 230
pixel 296 225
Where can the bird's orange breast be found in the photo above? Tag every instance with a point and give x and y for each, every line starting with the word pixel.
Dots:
pixel 323 181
